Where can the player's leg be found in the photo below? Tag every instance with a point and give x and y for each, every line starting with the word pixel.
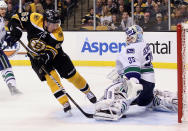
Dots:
pixel 66 69
pixel 79 82
pixel 8 75
pixel 146 96
pixel 57 91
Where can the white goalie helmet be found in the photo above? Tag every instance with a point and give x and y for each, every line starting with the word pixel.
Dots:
pixel 3 4
pixel 134 34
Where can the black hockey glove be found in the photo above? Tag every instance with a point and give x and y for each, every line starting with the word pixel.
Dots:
pixel 11 40
pixel 45 58
pixel 15 34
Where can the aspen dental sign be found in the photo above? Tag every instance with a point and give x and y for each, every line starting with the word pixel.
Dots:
pixel 106 45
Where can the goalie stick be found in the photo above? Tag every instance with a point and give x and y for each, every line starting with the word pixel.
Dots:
pixel 57 83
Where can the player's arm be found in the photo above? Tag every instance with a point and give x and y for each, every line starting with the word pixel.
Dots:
pixel 15 26
pixel 52 46
pixel 15 30
pixel 47 55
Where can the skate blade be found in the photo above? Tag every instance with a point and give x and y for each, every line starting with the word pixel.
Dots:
pixel 16 94
pixel 68 114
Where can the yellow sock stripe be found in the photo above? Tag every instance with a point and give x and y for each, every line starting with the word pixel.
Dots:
pixel 85 89
pixel 61 97
pixel 79 82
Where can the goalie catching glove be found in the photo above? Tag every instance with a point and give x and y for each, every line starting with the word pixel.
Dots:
pixel 117 99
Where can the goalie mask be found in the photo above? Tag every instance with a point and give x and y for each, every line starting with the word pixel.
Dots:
pixel 134 34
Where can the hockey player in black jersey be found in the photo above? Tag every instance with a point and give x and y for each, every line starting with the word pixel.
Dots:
pixel 45 37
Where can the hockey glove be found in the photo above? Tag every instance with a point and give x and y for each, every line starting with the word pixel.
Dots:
pixel 11 40
pixel 15 33
pixel 45 58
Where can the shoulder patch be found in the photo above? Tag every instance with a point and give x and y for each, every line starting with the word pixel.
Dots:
pixel 130 51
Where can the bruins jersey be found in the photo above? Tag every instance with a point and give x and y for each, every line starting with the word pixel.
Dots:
pixel 39 39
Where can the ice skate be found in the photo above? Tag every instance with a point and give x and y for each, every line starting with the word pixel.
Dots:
pixel 91 97
pixel 13 90
pixel 67 107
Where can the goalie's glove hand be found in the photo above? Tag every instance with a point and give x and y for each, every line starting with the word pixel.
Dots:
pixel 11 40
pixel 45 57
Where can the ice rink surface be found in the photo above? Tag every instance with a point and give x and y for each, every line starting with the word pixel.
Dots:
pixel 38 110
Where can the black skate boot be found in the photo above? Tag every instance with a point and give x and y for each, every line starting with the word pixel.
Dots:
pixel 91 97
pixel 66 107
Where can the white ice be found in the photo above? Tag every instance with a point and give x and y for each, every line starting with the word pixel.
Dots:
pixel 37 109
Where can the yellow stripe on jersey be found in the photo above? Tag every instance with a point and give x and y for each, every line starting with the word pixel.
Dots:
pixel 37 20
pixel 53 50
pixel 58 34
pixel 17 18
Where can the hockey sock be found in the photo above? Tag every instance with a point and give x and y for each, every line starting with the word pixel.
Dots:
pixel 79 82
pixel 56 90
pixel 8 77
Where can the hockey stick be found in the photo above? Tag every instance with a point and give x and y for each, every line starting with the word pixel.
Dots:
pixel 56 82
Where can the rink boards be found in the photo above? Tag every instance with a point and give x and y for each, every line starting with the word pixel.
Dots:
pixel 101 48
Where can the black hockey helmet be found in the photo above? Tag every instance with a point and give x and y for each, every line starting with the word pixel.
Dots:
pixel 51 16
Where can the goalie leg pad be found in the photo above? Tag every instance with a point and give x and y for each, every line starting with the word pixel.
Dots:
pixel 110 109
pixel 164 101
pixel 106 115
pixel 117 99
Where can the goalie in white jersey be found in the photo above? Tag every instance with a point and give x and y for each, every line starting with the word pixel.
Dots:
pixel 133 81
pixel 5 66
